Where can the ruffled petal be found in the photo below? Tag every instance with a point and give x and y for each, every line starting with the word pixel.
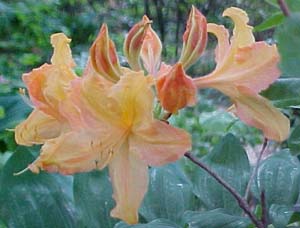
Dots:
pixel 242 32
pixel 258 112
pixel 160 144
pixel 38 128
pixel 79 151
pixel 62 54
pixel 129 177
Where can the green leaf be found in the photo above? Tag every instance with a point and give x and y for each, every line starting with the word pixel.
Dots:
pixel 214 219
pixel 280 215
pixel 284 92
pixel 31 200
pixel 289 45
pixel 158 223
pixel 230 161
pixel 271 22
pixel 169 194
pixel 294 141
pixel 14 110
pixel 93 199
pixel 279 177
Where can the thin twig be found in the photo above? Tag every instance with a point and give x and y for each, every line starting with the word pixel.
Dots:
pixel 264 218
pixel 166 116
pixel 254 173
pixel 241 201
pixel 284 8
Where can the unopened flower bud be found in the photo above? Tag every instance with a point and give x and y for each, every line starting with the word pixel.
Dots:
pixel 194 38
pixel 134 41
pixel 104 56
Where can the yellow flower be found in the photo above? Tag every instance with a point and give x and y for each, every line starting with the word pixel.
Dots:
pixel 245 68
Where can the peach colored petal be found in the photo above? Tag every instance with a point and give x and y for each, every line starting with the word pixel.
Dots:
pixel 37 128
pixel 151 51
pixel 104 56
pixel 62 54
pixel 223 45
pixel 254 66
pixel 175 89
pixel 194 38
pixel 134 41
pixel 160 143
pixel 258 112
pixel 79 151
pixel 129 177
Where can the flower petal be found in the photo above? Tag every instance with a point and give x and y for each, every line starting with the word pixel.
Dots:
pixel 129 177
pixel 258 112
pixel 160 143
pixel 254 66
pixel 104 56
pixel 242 32
pixel 79 151
pixel 194 38
pixel 175 89
pixel 223 45
pixel 38 128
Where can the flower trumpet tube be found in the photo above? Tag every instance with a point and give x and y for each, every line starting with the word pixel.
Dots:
pixel 245 68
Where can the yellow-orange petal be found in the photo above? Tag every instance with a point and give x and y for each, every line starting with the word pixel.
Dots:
pixel 134 41
pixel 175 89
pixel 151 51
pixel 194 38
pixel 104 56
pixel 160 143
pixel 258 112
pixel 38 128
pixel 129 177
pixel 79 151
pixel 62 54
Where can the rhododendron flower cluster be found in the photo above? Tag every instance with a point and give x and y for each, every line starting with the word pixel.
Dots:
pixel 105 117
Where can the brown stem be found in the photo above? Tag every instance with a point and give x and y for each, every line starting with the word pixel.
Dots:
pixel 263 148
pixel 166 116
pixel 241 201
pixel 264 218
pixel 284 8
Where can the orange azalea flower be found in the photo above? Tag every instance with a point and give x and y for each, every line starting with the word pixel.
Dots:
pixel 244 68
pixel 45 87
pixel 108 124
pixel 175 89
